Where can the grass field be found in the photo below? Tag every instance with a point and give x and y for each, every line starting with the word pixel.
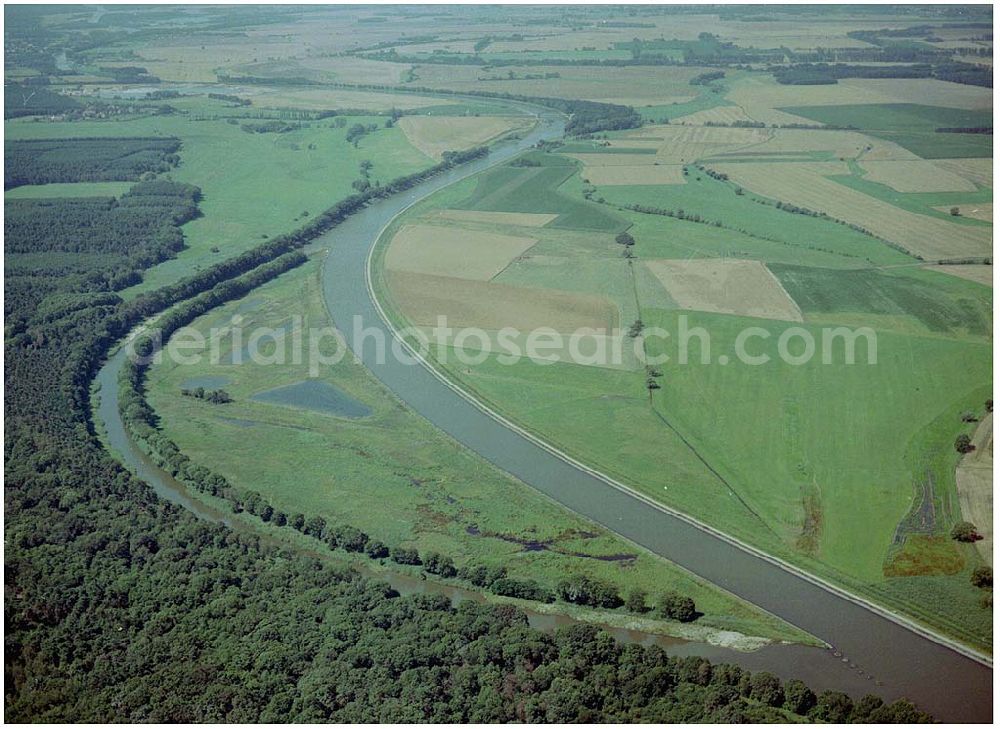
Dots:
pixel 535 190
pixel 253 185
pixel 69 189
pixel 451 251
pixel 431 493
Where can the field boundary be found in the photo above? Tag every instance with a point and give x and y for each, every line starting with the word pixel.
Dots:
pixel 820 582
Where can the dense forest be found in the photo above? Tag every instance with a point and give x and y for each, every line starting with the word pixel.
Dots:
pixel 90 244
pixel 37 162
pixel 121 607
pixel 26 100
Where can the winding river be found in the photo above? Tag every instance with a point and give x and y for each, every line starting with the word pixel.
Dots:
pixel 870 651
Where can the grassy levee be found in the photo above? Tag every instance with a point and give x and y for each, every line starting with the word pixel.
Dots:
pixel 431 493
pixel 819 464
pixel 254 186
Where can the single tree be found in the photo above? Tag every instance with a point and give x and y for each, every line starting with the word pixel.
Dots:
pixel 964 531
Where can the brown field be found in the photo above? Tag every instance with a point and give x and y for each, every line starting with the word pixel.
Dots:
pixel 978 211
pixel 448 251
pixel 725 286
pixel 805 185
pixel 525 220
pixel 434 135
pixel 972 272
pixel 655 174
pixel 974 481
pixel 976 169
pixel 915 176
pixel 423 298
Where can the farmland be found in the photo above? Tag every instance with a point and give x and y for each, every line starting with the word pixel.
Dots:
pixel 794 450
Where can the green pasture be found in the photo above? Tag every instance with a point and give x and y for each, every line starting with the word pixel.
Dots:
pixel 68 189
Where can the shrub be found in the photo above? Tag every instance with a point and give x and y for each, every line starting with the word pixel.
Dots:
pixel 982 576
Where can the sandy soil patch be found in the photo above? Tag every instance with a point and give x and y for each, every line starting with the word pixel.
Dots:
pixel 725 286
pixel 978 273
pixel 805 185
pixel 974 481
pixel 915 176
pixel 449 251
pixel 976 169
pixel 492 306
pixel 528 220
pixel 635 174
pixel 434 135
pixel 978 211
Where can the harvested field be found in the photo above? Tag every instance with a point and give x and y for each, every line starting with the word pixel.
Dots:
pixel 611 159
pixel 976 169
pixel 726 286
pixel 423 298
pixel 331 98
pixel 527 220
pixel 972 272
pixel 718 115
pixel 685 144
pixel 634 174
pixel 805 185
pixel 762 98
pixel 842 144
pixel 915 176
pixel 434 135
pixel 977 211
pixel 974 481
pixel 449 251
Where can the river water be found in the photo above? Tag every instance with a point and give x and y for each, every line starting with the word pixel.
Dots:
pixel 869 653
